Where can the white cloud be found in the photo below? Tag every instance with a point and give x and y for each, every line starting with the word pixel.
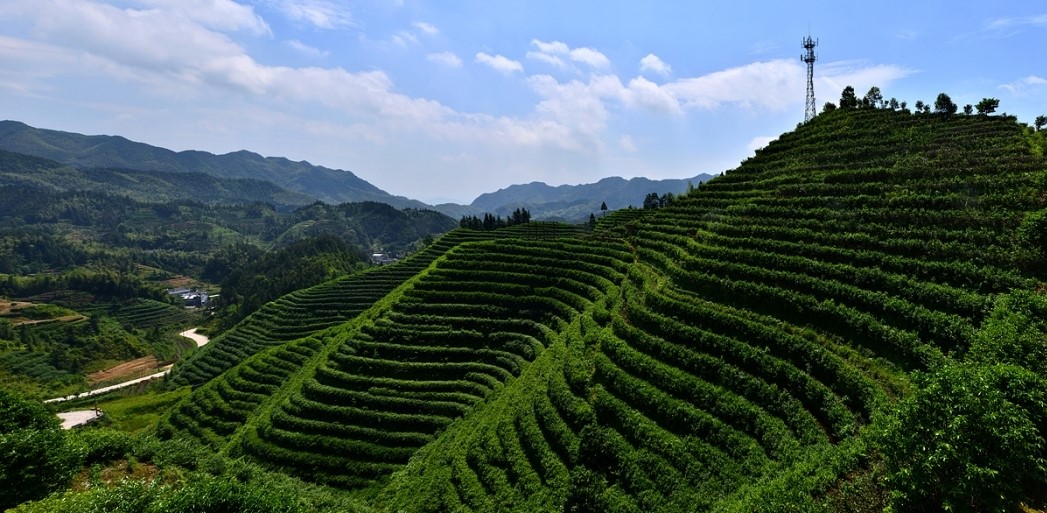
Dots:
pixel 763 85
pixel 576 109
pixel 1039 20
pixel 448 59
pixel 653 63
pixel 779 84
pixel 217 14
pixel 309 51
pixel 554 47
pixel 627 143
pixel 547 58
pixel 832 77
pixel 1023 86
pixel 323 14
pixel 499 63
pixel 551 52
pixel 591 57
pixel 404 38
pixel 426 28
pixel 643 93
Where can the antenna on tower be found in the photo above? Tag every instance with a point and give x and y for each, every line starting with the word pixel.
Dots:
pixel 809 58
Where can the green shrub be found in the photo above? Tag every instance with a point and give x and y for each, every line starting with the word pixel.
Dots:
pixel 969 439
pixel 1015 332
pixel 35 456
pixel 199 494
pixel 102 445
pixel 1033 231
pixel 17 412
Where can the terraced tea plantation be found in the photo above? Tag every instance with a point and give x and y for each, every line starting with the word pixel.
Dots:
pixel 729 352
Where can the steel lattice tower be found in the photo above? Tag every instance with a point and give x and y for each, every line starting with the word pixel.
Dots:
pixel 809 58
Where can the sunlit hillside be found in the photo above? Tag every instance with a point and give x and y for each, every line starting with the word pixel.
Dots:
pixel 750 346
pixel 729 351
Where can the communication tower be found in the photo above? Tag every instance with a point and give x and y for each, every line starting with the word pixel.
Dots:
pixel 809 58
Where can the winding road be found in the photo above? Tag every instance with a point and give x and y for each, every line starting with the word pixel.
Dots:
pixel 195 337
pixel 75 418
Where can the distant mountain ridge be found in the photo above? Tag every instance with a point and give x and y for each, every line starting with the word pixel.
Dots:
pixel 146 186
pixel 575 202
pixel 101 162
pixel 106 151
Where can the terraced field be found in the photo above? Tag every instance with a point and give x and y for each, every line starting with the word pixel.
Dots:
pixel 725 353
pixel 147 313
pixel 311 310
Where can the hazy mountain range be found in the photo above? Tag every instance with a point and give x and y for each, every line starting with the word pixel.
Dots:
pixel 107 162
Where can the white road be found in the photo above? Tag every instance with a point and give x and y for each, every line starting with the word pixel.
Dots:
pixel 196 337
pixel 71 419
pixel 110 388
pixel 191 334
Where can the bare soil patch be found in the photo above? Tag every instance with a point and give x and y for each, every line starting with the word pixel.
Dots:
pixel 6 306
pixel 21 321
pixel 136 367
pixel 177 282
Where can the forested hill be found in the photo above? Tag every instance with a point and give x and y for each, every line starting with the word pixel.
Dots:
pixel 183 236
pixel 852 319
pixel 114 152
pixel 144 186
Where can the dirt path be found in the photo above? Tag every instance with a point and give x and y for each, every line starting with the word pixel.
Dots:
pixel 195 337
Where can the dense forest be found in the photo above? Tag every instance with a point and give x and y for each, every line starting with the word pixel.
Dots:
pixel 851 320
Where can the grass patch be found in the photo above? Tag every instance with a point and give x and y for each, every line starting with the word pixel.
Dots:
pixel 140 412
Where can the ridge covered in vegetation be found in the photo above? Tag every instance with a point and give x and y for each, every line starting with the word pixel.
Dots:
pixel 851 319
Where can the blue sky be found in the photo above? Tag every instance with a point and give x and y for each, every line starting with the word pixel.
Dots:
pixel 446 100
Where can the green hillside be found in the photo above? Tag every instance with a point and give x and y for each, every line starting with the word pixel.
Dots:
pixel 764 343
pixel 311 310
pixel 145 186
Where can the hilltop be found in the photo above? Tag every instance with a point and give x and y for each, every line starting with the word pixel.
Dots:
pixel 850 319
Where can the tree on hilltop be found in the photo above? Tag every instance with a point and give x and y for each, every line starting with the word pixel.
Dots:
pixel 943 105
pixel 873 98
pixel 987 105
pixel 847 99
pixel 1041 121
pixel 968 109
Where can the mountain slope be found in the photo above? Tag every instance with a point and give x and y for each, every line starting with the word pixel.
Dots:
pixel 725 353
pixel 103 151
pixel 576 202
pixel 145 186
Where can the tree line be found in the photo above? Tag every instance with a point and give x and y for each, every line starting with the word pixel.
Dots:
pixel 493 222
